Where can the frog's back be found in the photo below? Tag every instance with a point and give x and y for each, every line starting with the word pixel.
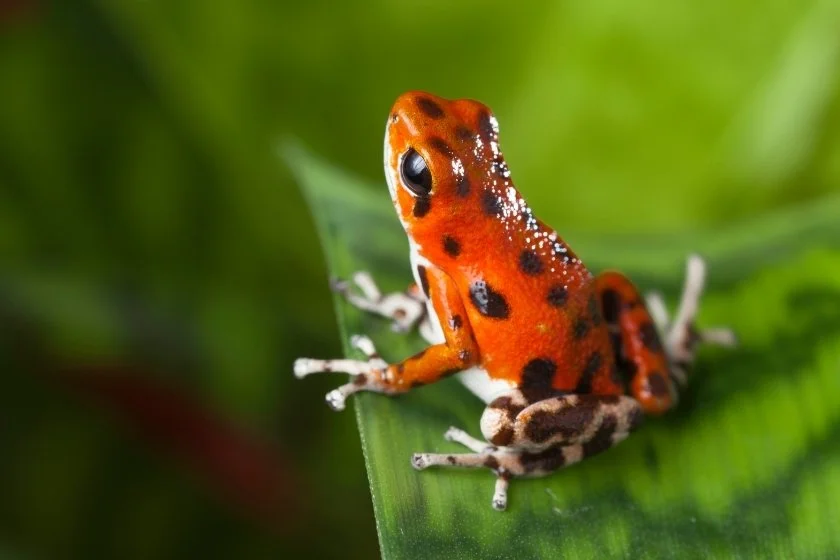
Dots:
pixel 533 310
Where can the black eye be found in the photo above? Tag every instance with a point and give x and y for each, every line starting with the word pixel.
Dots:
pixel 415 173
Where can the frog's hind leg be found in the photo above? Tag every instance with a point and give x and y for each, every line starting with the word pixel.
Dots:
pixel 680 335
pixel 533 435
pixel 651 368
pixel 639 355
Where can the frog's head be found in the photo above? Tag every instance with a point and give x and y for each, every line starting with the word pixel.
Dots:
pixel 441 157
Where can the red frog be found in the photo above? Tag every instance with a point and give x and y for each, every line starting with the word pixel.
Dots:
pixel 567 362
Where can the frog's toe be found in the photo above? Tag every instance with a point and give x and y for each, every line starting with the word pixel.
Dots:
pixel 460 436
pixel 302 367
pixel 419 461
pixel 337 398
pixel 720 336
pixel 339 285
pixel 500 494
pixel 658 310
pixel 452 433
pixel 364 345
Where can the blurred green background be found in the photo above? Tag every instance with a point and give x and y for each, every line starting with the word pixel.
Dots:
pixel 159 271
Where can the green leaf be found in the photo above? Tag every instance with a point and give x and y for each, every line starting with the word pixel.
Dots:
pixel 748 465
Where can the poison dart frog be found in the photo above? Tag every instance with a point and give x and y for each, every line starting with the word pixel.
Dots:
pixel 567 362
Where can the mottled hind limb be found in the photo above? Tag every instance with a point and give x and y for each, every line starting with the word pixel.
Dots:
pixel 538 437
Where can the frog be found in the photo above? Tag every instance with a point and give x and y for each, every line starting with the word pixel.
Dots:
pixel 566 362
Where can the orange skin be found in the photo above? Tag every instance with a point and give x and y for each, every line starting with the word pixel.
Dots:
pixel 574 360
pixel 540 318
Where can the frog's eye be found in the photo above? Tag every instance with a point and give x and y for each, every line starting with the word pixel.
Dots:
pixel 415 173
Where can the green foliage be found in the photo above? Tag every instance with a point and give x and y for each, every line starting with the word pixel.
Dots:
pixel 748 465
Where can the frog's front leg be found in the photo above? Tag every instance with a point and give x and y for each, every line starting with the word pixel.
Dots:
pixel 529 438
pixel 405 309
pixel 458 351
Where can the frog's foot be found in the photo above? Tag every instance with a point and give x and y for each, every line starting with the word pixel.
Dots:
pixel 486 455
pixel 505 462
pixel 405 309
pixel 368 375
pixel 680 334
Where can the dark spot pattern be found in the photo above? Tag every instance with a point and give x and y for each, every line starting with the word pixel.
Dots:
pixel 489 302
pixel 485 126
pixel 580 328
pixel 451 246
pixel 623 370
pixel 463 133
pixel 424 279
pixel 658 385
pixel 560 249
pixel 557 296
pixel 429 108
pixel 530 263
pixel 539 373
pixel 456 322
pixel 635 419
pixel 506 403
pixel 545 461
pixel 500 167
pixel 464 355
pixel 441 146
pixel 422 205
pixel 602 439
pixel 617 345
pixel 594 312
pixel 610 304
pixel 490 204
pixel 593 364
pixel 618 376
pixel 503 437
pixel 491 462
pixel 569 423
pixel 462 185
pixel 527 218
pixel 360 380
pixel 450 459
pixel 650 338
